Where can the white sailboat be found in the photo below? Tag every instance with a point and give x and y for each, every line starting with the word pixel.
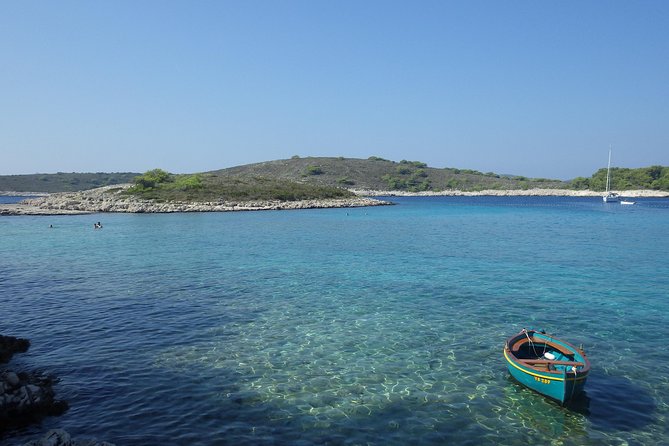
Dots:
pixel 610 197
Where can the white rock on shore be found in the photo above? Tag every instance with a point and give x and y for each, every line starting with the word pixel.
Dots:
pixel 510 193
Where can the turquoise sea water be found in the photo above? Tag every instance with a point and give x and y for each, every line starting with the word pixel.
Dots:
pixel 344 326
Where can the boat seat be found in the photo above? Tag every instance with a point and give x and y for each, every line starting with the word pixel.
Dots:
pixel 551 362
pixel 516 346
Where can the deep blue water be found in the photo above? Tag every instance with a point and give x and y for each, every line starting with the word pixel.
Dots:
pixel 343 326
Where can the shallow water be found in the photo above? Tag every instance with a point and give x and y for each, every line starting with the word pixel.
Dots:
pixel 343 326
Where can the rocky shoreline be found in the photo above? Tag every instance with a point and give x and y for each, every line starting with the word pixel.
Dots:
pixel 111 199
pixel 25 397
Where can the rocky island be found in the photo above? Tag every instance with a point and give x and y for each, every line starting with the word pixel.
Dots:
pixel 113 199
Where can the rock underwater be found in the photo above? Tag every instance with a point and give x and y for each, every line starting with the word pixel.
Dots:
pixel 59 437
pixel 10 345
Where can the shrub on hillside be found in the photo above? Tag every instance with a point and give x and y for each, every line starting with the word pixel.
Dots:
pixel 186 182
pixel 151 179
pixel 314 170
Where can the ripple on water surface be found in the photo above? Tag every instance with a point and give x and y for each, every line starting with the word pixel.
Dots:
pixel 380 326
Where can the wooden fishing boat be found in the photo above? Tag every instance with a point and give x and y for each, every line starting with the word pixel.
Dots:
pixel 547 365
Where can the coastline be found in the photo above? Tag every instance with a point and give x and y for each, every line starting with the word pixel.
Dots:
pixel 109 199
pixel 24 209
pixel 512 193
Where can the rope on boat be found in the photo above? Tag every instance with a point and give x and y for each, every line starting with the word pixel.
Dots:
pixel 532 344
pixel 573 385
pixel 573 369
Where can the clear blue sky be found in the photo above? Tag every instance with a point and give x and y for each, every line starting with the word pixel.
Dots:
pixel 532 88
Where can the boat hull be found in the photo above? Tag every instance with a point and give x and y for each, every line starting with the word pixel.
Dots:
pixel 547 365
pixel 611 198
pixel 560 388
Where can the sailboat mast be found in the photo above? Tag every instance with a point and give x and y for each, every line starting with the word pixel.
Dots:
pixel 608 172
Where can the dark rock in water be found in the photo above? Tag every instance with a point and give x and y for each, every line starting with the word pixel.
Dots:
pixel 10 345
pixel 26 398
pixel 12 379
pixel 59 437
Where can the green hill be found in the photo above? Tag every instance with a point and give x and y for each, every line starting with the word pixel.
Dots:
pixel 312 178
pixel 379 174
pixel 160 185
pixel 292 176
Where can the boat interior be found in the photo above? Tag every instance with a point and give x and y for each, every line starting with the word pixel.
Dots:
pixel 544 355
